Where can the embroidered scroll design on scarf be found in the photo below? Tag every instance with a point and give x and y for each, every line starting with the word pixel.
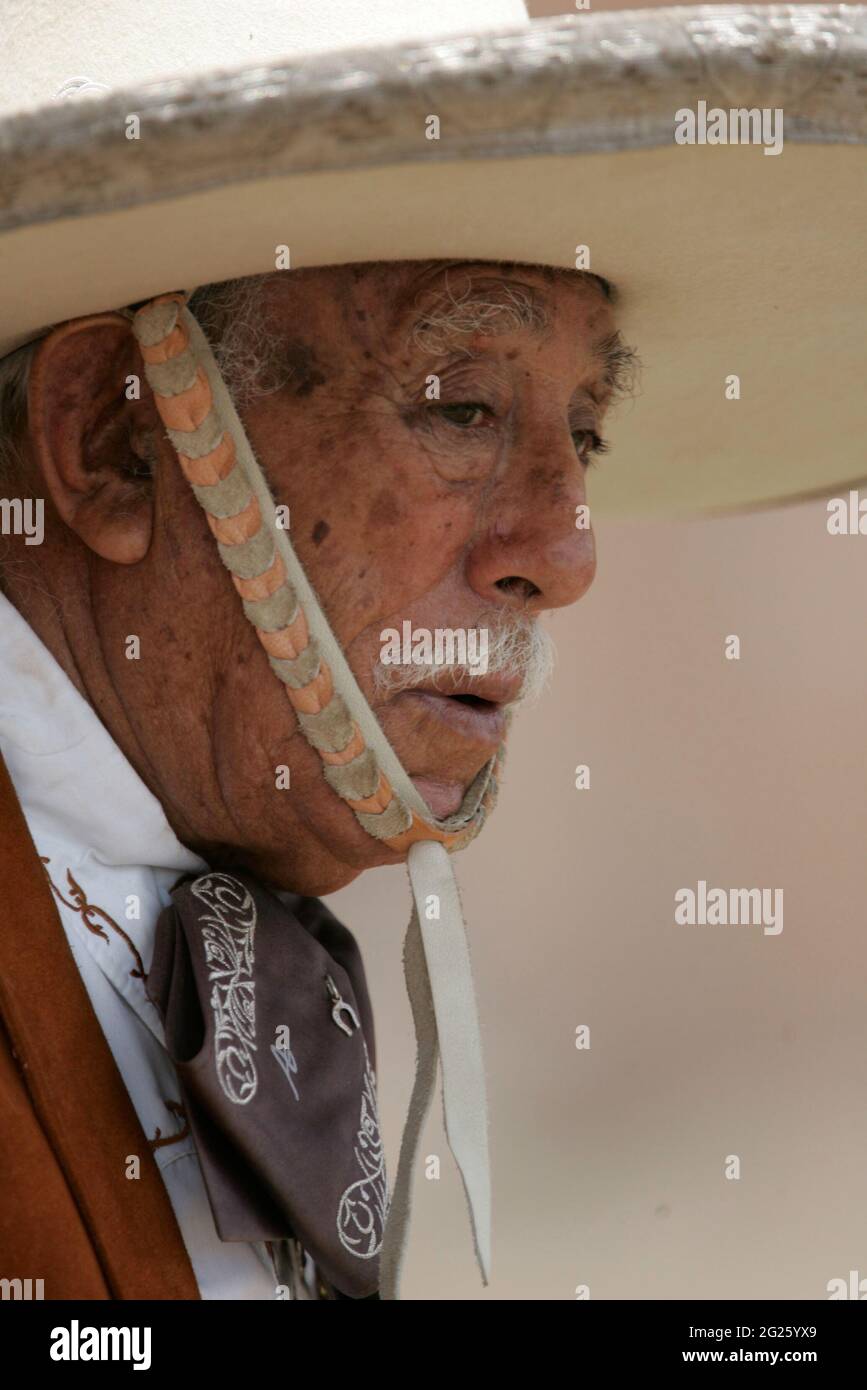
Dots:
pixel 228 934
pixel 364 1205
pixel 285 1057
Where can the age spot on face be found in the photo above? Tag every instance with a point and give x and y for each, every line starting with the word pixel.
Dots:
pixel 384 509
pixel 306 374
pixel 319 532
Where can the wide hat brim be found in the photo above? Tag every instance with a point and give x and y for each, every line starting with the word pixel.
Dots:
pixel 730 263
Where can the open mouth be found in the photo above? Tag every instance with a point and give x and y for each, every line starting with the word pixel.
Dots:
pixel 475 701
pixel 472 716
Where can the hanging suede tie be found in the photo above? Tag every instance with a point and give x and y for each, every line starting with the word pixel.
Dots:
pixel 440 986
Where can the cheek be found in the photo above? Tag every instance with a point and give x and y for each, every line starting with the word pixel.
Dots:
pixel 407 547
pixel 373 529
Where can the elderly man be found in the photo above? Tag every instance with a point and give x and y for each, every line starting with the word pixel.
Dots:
pixel 456 511
pixel 453 511
pixel 295 358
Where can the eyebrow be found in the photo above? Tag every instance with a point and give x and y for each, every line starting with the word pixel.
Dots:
pixel 488 304
pixel 504 306
pixel 619 363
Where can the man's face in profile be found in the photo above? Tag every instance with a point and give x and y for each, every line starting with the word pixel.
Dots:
pixel 430 427
pixel 449 512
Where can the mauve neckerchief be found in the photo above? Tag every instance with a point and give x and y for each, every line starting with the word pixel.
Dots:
pixel 269 1024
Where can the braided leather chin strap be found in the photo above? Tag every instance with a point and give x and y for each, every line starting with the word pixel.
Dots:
pixel 358 762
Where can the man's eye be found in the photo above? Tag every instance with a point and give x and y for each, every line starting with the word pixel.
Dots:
pixel 465 413
pixel 588 442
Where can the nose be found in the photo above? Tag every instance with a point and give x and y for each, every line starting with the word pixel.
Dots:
pixel 529 551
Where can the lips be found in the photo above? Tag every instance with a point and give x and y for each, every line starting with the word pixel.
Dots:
pixel 474 708
pixel 492 689
pixel 477 720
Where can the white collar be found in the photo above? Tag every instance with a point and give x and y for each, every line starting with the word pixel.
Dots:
pixel 67 770
pixel 103 834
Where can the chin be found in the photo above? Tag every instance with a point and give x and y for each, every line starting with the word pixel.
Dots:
pixel 443 797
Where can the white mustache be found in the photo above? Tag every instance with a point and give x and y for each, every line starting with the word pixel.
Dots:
pixel 517 646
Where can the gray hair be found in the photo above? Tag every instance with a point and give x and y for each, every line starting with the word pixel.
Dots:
pixel 250 350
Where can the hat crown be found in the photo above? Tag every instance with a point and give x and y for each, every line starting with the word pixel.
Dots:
pixel 87 47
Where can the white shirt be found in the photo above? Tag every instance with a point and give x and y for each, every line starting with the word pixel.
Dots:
pixel 105 836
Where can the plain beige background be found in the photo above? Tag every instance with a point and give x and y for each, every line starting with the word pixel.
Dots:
pixel 608 1164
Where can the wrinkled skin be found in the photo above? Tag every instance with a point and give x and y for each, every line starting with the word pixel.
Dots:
pixel 401 508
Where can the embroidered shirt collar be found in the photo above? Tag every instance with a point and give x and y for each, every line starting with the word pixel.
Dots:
pixel 85 805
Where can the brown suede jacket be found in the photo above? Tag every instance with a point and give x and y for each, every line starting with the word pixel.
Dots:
pixel 68 1213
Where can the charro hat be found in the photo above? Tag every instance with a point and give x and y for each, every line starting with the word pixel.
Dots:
pixel 709 162
pixel 308 125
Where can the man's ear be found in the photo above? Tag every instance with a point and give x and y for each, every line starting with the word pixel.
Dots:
pixel 95 448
